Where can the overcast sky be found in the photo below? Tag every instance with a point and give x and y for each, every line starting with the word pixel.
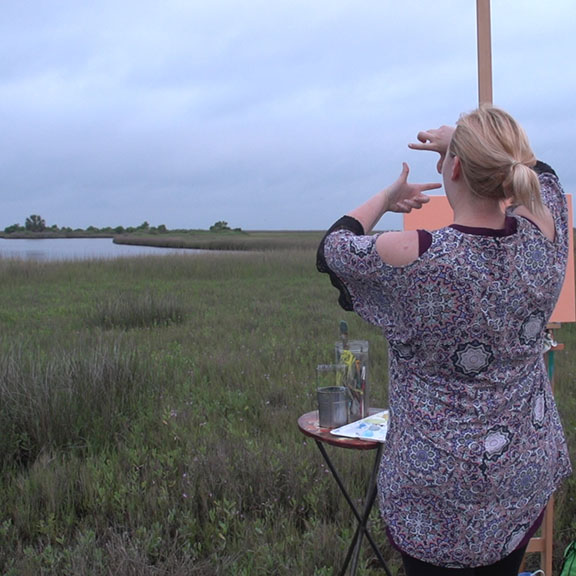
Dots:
pixel 268 114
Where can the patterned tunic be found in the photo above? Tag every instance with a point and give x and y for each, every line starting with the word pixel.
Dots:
pixel 475 446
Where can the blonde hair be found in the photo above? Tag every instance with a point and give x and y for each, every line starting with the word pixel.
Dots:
pixel 496 157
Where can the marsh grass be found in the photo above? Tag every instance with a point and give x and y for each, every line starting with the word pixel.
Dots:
pixel 75 397
pixel 169 446
pixel 227 240
pixel 126 310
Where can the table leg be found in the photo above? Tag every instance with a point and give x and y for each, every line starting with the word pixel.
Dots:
pixel 371 495
pixel 362 528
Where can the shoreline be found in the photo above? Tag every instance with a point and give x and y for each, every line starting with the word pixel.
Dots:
pixel 193 239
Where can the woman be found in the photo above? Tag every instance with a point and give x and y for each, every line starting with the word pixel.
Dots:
pixel 475 446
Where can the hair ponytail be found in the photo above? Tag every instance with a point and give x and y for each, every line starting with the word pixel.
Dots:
pixel 496 158
pixel 522 187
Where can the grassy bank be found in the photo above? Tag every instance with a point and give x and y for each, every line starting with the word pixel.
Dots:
pixel 148 414
pixel 227 240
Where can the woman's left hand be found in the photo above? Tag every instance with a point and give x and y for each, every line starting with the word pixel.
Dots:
pixel 403 197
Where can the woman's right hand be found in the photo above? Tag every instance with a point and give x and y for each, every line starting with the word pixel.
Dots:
pixel 436 140
pixel 403 197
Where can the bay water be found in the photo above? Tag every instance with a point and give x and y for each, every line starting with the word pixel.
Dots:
pixel 50 249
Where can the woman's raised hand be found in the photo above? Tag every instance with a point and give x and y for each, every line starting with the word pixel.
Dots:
pixel 401 196
pixel 436 140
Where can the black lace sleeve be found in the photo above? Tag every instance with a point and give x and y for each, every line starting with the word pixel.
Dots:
pixel 543 168
pixel 346 223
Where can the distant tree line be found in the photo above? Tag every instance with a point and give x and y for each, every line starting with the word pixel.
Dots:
pixel 222 226
pixel 35 223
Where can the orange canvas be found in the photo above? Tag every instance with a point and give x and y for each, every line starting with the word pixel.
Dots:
pixel 437 214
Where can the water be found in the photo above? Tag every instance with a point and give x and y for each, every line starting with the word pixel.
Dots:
pixel 47 249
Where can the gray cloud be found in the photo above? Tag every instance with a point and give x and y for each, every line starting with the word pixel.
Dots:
pixel 266 114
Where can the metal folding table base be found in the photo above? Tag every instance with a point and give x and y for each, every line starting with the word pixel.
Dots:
pixel 362 517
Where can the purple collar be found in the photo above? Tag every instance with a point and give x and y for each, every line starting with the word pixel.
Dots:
pixel 510 227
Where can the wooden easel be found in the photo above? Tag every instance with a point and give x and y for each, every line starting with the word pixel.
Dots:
pixel 484 52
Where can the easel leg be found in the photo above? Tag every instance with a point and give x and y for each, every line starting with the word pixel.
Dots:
pixel 547 534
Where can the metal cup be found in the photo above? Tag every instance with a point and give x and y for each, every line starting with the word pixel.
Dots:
pixel 332 406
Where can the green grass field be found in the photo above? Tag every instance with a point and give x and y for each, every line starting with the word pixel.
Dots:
pixel 148 413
